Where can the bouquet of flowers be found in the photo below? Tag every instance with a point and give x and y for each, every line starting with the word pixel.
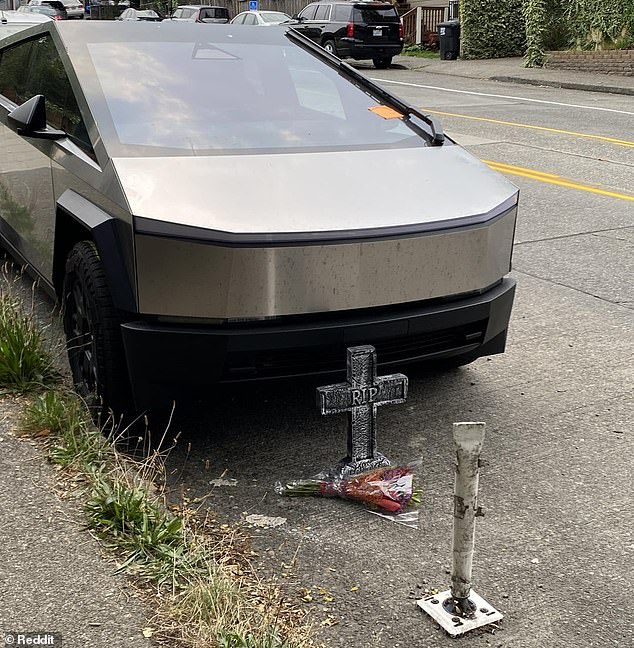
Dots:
pixel 389 489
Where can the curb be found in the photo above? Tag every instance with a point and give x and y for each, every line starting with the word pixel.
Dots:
pixel 588 87
pixel 566 85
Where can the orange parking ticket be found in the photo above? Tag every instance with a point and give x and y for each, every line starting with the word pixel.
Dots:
pixel 386 112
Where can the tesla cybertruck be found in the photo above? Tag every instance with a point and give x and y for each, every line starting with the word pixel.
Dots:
pixel 226 203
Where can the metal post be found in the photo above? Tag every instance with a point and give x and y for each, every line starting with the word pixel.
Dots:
pixel 460 609
pixel 468 439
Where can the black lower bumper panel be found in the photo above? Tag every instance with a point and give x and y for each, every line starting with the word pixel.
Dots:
pixel 162 358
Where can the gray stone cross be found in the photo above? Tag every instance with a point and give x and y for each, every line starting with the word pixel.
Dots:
pixel 359 397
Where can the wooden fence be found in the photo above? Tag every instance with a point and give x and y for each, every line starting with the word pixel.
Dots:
pixel 429 18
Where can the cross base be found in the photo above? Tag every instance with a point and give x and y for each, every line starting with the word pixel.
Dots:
pixel 483 613
pixel 347 468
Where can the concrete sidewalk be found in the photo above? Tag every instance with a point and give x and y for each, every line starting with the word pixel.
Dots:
pixel 512 70
pixel 53 577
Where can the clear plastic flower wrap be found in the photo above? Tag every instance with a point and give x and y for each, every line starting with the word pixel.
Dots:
pixel 387 491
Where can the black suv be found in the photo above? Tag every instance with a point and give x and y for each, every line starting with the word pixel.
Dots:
pixel 358 30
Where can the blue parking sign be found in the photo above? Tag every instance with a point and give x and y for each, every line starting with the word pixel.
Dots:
pixel 253 5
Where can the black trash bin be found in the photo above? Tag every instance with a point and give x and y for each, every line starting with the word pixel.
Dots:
pixel 449 40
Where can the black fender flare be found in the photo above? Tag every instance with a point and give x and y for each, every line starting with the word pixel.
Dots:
pixel 78 219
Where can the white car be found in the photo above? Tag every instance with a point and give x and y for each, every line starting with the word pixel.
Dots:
pixel 261 18
pixel 201 14
pixel 15 21
pixel 74 8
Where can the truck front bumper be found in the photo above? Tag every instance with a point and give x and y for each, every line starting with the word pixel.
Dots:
pixel 164 358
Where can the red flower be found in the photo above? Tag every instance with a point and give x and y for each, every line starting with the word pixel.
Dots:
pixel 391 488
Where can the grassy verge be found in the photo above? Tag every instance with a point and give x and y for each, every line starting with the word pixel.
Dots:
pixel 420 51
pixel 197 574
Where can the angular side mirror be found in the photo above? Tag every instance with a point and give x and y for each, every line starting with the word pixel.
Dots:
pixel 29 120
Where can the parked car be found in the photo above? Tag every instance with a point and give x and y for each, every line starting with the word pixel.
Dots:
pixel 14 21
pixel 58 5
pixel 358 30
pixel 54 10
pixel 105 9
pixel 205 14
pixel 261 18
pixel 141 14
pixel 74 8
pixel 268 208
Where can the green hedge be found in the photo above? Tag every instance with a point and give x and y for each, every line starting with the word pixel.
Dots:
pixel 580 24
pixel 491 28
pixel 496 28
pixel 599 24
pixel 536 28
pixel 547 28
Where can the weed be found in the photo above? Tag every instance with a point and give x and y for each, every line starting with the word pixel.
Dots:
pixel 72 439
pixel 217 610
pixel 237 640
pixel 149 538
pixel 211 596
pixel 25 362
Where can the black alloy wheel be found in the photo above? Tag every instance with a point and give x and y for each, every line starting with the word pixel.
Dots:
pixel 382 63
pixel 93 334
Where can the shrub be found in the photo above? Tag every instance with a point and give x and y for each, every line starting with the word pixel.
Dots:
pixel 600 24
pixel 491 28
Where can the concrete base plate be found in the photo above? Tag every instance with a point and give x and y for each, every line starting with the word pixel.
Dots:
pixel 454 625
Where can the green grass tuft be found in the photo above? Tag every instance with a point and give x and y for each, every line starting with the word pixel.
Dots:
pixel 73 441
pixel 128 521
pixel 25 362
pixel 420 51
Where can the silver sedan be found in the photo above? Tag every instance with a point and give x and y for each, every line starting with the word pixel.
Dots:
pixel 261 18
pixel 74 8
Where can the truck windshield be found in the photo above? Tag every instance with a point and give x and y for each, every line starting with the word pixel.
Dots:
pixel 189 98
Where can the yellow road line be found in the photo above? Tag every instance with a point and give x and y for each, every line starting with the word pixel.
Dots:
pixel 550 178
pixel 601 138
pixel 516 168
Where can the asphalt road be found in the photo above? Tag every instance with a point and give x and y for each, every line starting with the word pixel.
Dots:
pixel 555 550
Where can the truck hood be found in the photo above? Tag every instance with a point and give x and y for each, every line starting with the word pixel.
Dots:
pixel 420 188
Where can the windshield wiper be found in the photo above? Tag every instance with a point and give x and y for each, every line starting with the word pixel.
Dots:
pixel 436 137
